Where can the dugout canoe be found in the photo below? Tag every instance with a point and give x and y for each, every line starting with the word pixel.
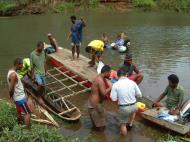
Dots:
pixel 151 115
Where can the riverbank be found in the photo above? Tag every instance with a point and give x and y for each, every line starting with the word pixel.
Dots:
pixel 12 7
pixel 11 131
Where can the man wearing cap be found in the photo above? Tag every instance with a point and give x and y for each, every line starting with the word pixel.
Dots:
pixel 53 44
pixel 131 68
pixel 125 91
pixel 95 48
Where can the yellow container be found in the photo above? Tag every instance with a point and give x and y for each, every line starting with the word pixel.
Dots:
pixel 141 106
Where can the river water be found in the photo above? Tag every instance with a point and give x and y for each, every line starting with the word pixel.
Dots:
pixel 160 44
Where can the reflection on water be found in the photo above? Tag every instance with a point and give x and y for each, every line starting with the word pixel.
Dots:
pixel 160 44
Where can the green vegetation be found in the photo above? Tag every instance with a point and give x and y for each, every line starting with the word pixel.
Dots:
pixel 6 5
pixel 7 116
pixel 64 7
pixel 145 4
pixel 168 137
pixel 174 5
pixel 10 131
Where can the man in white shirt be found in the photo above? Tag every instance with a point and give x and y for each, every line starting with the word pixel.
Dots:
pixel 125 91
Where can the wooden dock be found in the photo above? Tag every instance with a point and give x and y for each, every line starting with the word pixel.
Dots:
pixel 79 67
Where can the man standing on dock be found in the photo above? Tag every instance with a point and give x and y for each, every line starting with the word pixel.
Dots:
pixel 75 34
pixel 38 69
pixel 16 92
pixel 99 90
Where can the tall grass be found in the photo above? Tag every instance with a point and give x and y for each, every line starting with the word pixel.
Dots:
pixel 177 5
pixel 145 4
pixel 64 7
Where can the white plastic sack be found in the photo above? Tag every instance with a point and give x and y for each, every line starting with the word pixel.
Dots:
pixel 100 65
pixel 122 48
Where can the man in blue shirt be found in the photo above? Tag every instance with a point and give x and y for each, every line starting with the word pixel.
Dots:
pixel 76 35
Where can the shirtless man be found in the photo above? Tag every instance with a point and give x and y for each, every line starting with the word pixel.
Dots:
pixel 99 90
pixel 53 44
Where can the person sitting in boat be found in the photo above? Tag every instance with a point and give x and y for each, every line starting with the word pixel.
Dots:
pixel 104 38
pixel 38 69
pixel 174 93
pixel 131 68
pixel 95 48
pixel 121 43
pixel 53 47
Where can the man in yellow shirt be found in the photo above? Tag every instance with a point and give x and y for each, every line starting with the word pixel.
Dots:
pixel 95 48
pixel 25 69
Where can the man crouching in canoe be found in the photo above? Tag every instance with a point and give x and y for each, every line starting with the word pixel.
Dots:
pixel 98 94
pixel 174 93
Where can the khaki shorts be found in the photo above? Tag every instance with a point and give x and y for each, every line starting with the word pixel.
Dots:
pixel 97 116
pixel 125 111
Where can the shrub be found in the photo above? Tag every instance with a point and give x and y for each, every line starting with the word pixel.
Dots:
pixel 146 4
pixel 64 7
pixel 177 5
pixel 5 6
pixel 7 116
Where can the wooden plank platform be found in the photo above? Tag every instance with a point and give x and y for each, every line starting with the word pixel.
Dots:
pixel 79 67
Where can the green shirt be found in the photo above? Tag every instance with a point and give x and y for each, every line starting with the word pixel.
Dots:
pixel 129 69
pixel 174 97
pixel 38 62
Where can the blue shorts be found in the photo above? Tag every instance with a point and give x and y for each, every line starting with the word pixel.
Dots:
pixel 40 79
pixel 49 50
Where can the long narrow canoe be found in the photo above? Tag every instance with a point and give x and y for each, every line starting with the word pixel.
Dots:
pixel 63 109
pixel 55 100
pixel 152 115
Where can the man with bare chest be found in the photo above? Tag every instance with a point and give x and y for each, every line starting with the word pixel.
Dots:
pixel 99 90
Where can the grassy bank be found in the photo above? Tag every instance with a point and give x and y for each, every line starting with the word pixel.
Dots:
pixel 172 5
pixel 10 131
pixel 17 7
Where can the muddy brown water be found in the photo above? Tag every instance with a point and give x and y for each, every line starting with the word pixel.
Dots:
pixel 160 44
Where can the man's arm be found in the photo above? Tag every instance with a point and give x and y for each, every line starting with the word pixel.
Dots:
pixel 13 80
pixel 56 44
pixel 83 22
pixel 103 90
pixel 181 98
pixel 136 70
pixel 69 35
pixel 32 67
pixel 160 98
pixel 45 64
pixel 137 91
pixel 113 94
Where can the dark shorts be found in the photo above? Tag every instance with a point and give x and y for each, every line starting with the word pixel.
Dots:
pixel 97 116
pixel 23 108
